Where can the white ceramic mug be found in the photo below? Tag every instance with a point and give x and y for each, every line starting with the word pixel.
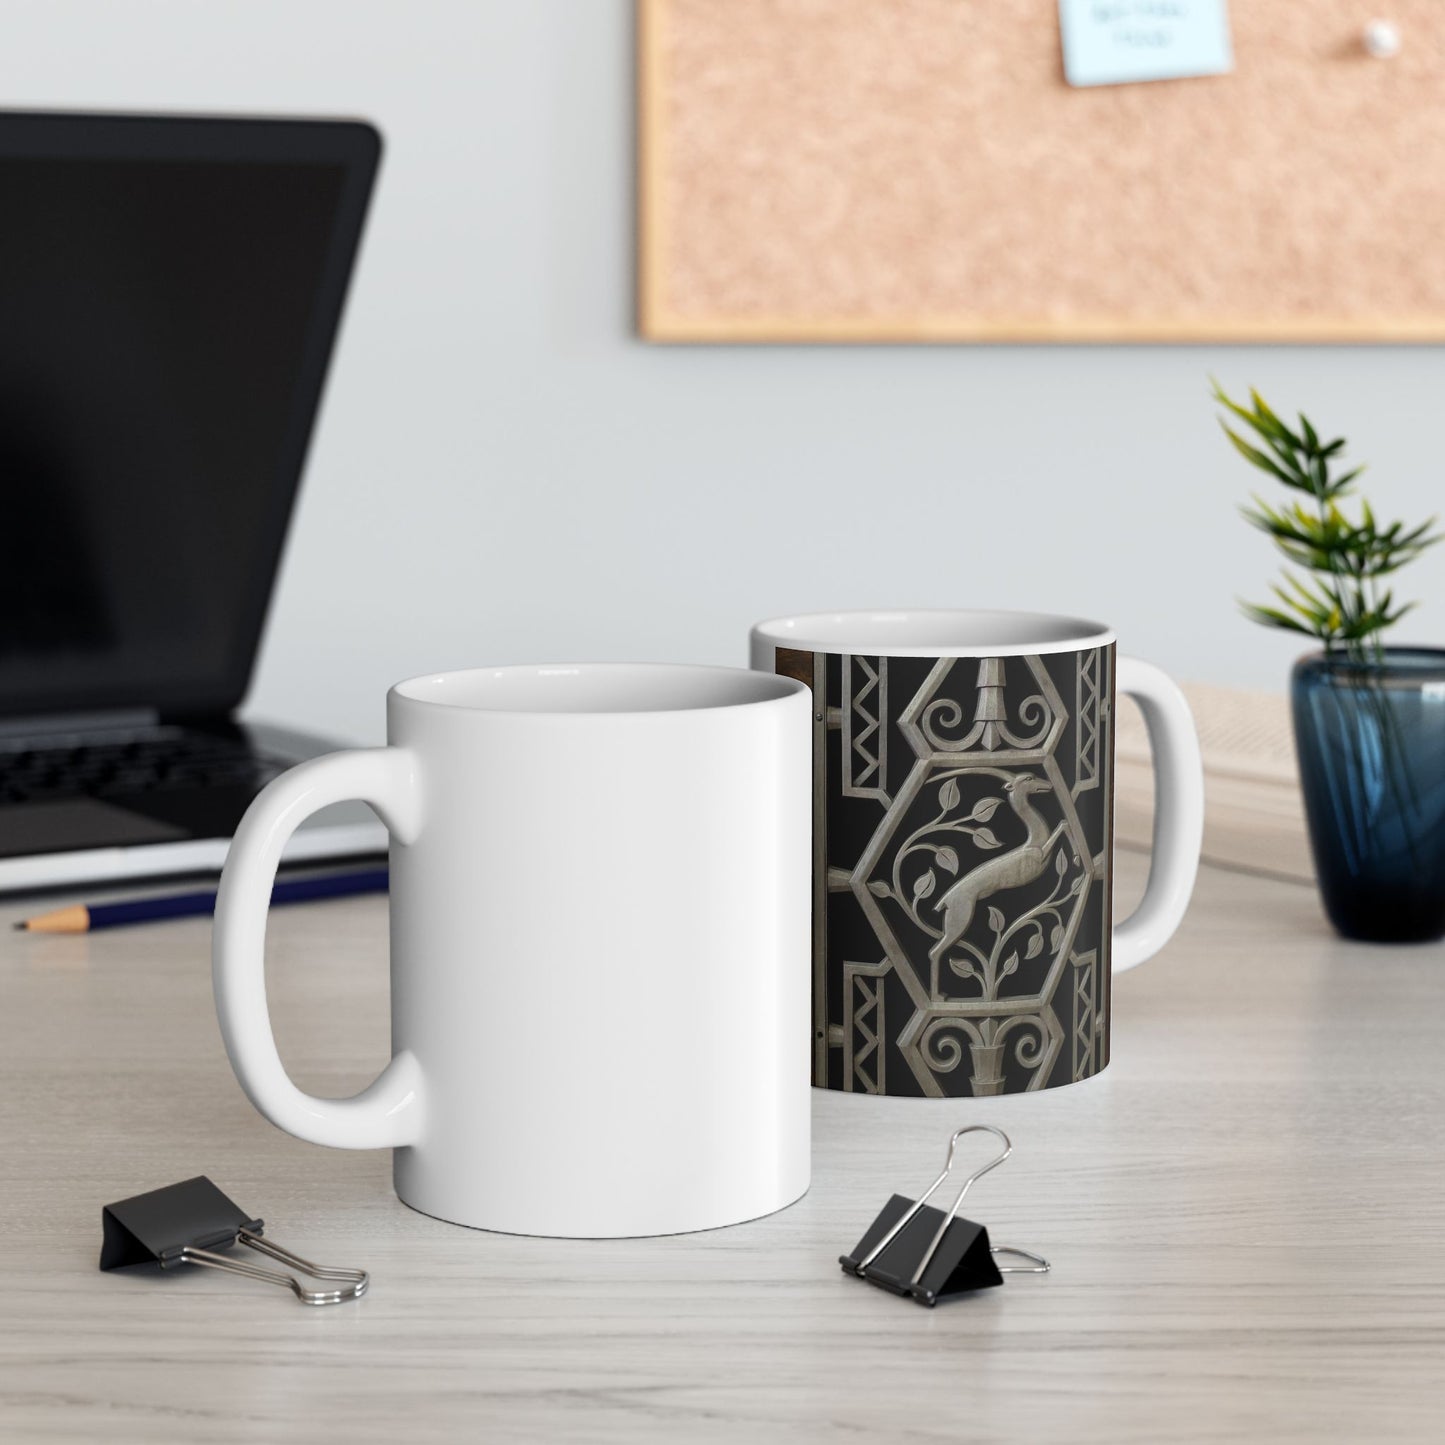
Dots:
pixel 963 843
pixel 599 947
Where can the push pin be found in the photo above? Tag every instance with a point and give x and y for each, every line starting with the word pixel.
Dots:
pixel 1381 40
pixel 187 1223
pixel 915 1250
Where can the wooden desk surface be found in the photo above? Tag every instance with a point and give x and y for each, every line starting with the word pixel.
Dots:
pixel 1245 1213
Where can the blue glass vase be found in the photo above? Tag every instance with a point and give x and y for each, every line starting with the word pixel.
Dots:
pixel 1371 742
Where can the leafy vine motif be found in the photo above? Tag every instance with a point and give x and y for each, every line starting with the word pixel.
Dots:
pixel 945 856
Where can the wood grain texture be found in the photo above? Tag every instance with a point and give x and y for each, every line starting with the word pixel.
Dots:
pixel 919 170
pixel 1245 1212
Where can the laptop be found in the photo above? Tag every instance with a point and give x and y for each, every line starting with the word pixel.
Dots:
pixel 170 290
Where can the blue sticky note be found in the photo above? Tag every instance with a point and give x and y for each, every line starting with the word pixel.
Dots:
pixel 1110 42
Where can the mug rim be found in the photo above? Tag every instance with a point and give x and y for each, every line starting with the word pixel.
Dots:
pixel 846 632
pixel 711 684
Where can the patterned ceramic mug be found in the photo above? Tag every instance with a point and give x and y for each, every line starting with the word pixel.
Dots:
pixel 963 790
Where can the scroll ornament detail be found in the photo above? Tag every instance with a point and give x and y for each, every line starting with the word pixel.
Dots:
pixel 947 1041
pixel 991 727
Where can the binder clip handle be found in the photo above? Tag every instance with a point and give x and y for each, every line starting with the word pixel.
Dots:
pixel 1038 1264
pixel 357 1280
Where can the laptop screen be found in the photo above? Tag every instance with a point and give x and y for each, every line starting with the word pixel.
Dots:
pixel 169 292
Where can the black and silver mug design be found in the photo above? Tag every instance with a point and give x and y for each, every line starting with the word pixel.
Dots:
pixel 963 784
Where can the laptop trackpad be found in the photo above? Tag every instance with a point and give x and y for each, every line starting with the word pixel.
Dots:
pixel 75 823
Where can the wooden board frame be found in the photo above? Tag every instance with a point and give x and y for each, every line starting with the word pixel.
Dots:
pixel 659 321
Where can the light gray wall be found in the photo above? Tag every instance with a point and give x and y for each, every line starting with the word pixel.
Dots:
pixel 503 472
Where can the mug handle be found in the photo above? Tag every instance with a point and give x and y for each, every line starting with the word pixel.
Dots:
pixel 1178 813
pixel 391 1111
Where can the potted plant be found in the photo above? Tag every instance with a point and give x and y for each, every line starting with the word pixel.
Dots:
pixel 1369 719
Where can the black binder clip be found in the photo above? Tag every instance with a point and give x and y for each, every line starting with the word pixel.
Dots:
pixel 915 1250
pixel 187 1223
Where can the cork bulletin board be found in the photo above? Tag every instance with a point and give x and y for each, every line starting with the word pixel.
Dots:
pixel 919 170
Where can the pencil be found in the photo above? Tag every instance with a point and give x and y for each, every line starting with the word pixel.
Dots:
pixel 80 918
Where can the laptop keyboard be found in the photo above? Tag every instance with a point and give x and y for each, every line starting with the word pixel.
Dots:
pixel 160 760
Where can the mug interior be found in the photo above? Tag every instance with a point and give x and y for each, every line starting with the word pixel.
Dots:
pixel 597 687
pixel 924 632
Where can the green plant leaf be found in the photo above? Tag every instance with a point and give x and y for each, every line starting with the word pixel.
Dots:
pixel 1333 595
pixel 1257 458
pixel 1272 617
pixel 1262 410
